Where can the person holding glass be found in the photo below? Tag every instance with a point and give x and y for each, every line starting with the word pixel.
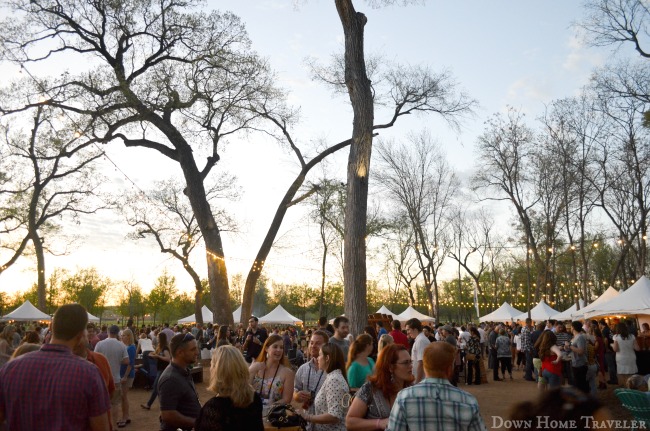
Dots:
pixel 373 402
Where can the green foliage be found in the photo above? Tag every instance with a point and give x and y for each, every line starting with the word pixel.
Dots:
pixel 88 288
pixel 160 299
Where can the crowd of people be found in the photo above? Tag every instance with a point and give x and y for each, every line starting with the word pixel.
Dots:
pixel 383 379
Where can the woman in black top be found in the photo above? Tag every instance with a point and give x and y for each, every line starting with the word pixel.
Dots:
pixel 163 356
pixel 236 406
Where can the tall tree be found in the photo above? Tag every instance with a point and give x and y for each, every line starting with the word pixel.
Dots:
pixel 165 214
pixel 54 166
pixel 164 79
pixel 88 288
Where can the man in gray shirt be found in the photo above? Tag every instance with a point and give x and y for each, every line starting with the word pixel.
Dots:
pixel 578 346
pixel 341 331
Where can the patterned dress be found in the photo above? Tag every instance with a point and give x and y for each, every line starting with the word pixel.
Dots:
pixel 333 398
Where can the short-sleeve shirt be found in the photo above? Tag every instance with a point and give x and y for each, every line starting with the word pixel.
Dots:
pixel 580 342
pixel 115 352
pixel 399 337
pixel 378 406
pixel 417 353
pixel 130 349
pixel 177 392
pixel 358 373
pixel 330 399
pixel 27 385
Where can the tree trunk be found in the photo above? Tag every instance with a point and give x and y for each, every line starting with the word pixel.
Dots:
pixel 358 84
pixel 217 274
pixel 324 262
pixel 198 305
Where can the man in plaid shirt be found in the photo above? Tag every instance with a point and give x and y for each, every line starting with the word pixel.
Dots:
pixel 434 404
pixel 527 348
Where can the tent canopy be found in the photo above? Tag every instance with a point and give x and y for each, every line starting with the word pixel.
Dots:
pixel 502 314
pixel 568 313
pixel 26 312
pixel 92 318
pixel 384 310
pixel 280 316
pixel 610 293
pixel 411 313
pixel 541 311
pixel 205 312
pixel 635 300
pixel 236 315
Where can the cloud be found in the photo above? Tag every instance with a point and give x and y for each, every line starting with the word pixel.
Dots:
pixel 580 56
pixel 527 89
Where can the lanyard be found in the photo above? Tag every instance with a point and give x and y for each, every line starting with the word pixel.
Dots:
pixel 309 376
pixel 270 385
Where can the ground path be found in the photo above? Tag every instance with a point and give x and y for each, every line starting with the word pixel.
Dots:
pixel 495 400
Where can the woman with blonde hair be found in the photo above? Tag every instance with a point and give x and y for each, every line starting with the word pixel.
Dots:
pixel 235 406
pixel 360 365
pixel 271 374
pixel 384 341
pixel 127 373
pixel 6 343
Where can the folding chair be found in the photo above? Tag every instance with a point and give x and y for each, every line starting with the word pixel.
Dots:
pixel 637 403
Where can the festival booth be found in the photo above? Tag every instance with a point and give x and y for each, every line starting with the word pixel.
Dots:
pixel 92 318
pixel 386 311
pixel 568 313
pixel 411 313
pixel 27 313
pixel 633 303
pixel 279 316
pixel 205 312
pixel 541 311
pixel 505 313
pixel 610 293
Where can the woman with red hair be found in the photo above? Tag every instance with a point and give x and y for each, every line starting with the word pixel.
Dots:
pixel 371 406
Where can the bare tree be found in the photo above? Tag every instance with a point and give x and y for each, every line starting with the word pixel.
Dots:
pixel 422 183
pixel 54 167
pixel 401 262
pixel 175 82
pixel 165 214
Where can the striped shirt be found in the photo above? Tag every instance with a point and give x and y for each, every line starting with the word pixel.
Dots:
pixel 434 404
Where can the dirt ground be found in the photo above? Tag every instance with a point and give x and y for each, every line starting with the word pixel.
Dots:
pixel 495 400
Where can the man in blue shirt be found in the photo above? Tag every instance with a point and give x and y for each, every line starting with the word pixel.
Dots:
pixel 434 404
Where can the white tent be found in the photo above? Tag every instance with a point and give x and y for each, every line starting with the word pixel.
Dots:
pixel 280 316
pixel 26 312
pixel 236 315
pixel 92 318
pixel 205 312
pixel 610 293
pixel 635 300
pixel 541 311
pixel 411 313
pixel 568 313
pixel 384 310
pixel 505 313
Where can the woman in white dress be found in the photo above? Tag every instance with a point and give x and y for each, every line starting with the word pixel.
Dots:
pixel 333 398
pixel 624 345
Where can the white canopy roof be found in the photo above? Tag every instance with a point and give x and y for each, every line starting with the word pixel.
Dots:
pixel 26 312
pixel 541 311
pixel 92 318
pixel 384 310
pixel 635 300
pixel 205 312
pixel 502 314
pixel 207 316
pixel 568 313
pixel 610 293
pixel 411 313
pixel 280 316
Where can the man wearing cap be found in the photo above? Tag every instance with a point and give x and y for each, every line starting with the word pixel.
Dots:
pixel 179 401
pixel 115 352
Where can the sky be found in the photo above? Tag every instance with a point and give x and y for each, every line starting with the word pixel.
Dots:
pixel 516 53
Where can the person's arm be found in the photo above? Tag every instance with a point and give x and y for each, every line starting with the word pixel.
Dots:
pixel 558 353
pixel 174 418
pixel 99 423
pixel 636 344
pixel 356 421
pixel 288 383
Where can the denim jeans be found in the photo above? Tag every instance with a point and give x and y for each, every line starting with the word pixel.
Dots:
pixel 610 362
pixel 592 373
pixel 528 374
pixel 154 391
pixel 553 380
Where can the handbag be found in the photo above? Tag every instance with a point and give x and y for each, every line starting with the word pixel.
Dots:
pixel 470 357
pixel 284 415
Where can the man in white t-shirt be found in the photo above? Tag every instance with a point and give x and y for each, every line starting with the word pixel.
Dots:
pixel 414 330
pixel 115 352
